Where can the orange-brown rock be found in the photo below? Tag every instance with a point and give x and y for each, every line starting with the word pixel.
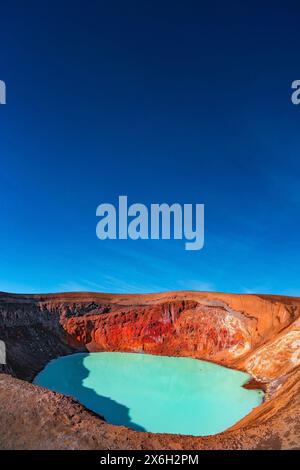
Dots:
pixel 256 333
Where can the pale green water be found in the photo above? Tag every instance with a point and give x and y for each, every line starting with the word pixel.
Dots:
pixel 154 393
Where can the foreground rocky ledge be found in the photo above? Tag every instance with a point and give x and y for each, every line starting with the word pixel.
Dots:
pixel 257 334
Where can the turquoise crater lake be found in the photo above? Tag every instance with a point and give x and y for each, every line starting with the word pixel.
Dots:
pixel 154 393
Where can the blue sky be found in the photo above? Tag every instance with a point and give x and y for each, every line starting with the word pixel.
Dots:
pixel 163 102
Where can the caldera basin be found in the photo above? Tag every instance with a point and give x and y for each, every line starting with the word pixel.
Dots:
pixel 160 394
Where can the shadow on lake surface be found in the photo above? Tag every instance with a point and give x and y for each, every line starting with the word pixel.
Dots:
pixel 70 381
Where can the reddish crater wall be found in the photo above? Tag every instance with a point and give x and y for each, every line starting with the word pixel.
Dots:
pixel 234 330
